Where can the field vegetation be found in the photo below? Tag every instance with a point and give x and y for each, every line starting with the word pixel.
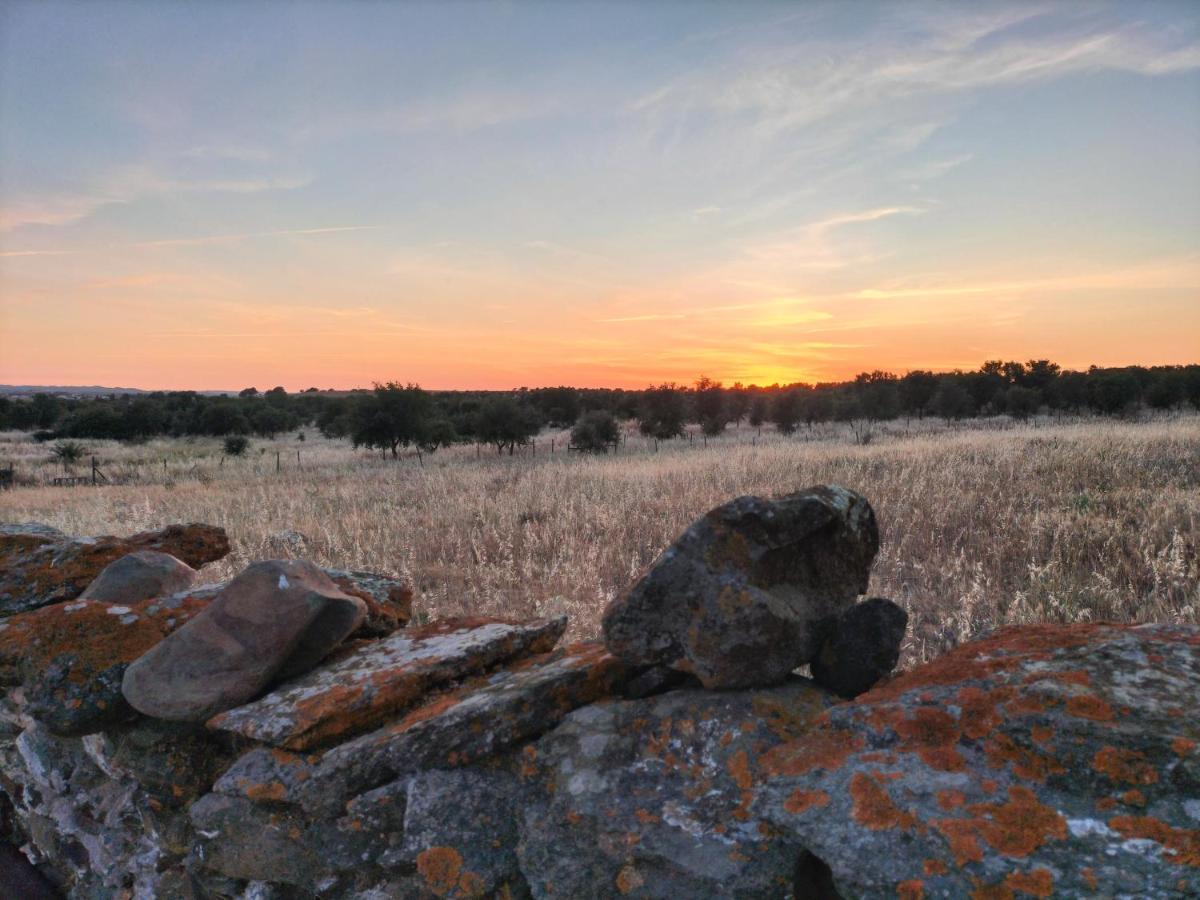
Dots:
pixel 985 522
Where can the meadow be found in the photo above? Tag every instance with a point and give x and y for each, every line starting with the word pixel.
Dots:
pixel 983 524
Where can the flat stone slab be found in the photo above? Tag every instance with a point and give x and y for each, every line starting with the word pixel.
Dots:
pixel 379 680
pixel 57 571
pixel 18 537
pixel 483 718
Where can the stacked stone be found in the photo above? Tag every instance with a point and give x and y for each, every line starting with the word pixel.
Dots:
pixel 289 735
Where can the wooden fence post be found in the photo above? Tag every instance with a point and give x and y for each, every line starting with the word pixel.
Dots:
pixel 278 466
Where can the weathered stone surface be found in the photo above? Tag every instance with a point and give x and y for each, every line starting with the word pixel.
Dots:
pixel 139 576
pixel 861 646
pixel 229 652
pixel 460 830
pixel 1054 760
pixel 18 537
pixel 378 680
pixel 389 600
pixel 653 798
pixel 489 715
pixel 71 657
pixel 735 599
pixel 60 571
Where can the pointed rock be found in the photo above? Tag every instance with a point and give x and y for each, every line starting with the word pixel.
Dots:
pixel 59 571
pixel 139 576
pixel 232 650
pixel 389 600
pixel 380 679
pixel 737 598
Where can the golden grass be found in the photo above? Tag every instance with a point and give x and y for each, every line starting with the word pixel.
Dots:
pixel 981 527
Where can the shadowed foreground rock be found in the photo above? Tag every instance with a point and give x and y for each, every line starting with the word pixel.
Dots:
pixel 56 571
pixel 276 616
pixel 737 598
pixel 861 646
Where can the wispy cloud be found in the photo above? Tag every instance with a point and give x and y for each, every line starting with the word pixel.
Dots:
pixel 234 238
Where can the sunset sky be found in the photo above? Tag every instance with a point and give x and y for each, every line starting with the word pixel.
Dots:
pixel 216 195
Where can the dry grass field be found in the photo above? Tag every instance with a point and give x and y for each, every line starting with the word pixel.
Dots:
pixel 982 526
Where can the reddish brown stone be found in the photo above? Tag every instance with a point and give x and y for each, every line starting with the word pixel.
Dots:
pixel 271 612
pixel 139 576
pixel 56 572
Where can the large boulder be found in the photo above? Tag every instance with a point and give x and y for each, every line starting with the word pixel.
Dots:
pixel 1054 760
pixel 654 798
pixel 737 599
pixel 56 571
pixel 140 576
pixel 19 537
pixel 275 616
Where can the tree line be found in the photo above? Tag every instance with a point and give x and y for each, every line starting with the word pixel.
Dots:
pixel 393 416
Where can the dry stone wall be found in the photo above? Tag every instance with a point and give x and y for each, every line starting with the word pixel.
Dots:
pixel 287 735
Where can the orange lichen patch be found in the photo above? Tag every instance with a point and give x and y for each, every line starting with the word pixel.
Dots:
pixel 990 891
pixel 1089 706
pixel 980 714
pixel 442 869
pixel 949 800
pixel 822 748
pixel 1182 746
pixel 873 806
pixel 932 734
pixel 1021 825
pixel 989 785
pixel 1038 883
pixel 878 756
pixel 629 879
pixel 1041 734
pixel 1133 798
pixel 935 867
pixel 1089 877
pixel 1127 766
pixel 271 790
pixel 1104 804
pixel 646 817
pixel 961 836
pixel 800 801
pixel 913 889
pixel 1026 763
pixel 1026 704
pixel 739 770
pixel 1182 844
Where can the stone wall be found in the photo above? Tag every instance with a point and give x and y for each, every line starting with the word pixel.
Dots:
pixel 286 735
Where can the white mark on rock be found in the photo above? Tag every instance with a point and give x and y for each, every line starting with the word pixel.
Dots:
pixel 118 610
pixel 1084 827
pixel 78 604
pixel 1192 808
pixel 283 583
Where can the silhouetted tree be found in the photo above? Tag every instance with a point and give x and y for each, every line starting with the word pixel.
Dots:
pixel 595 432
pixel 662 412
pixel 392 416
pixel 503 422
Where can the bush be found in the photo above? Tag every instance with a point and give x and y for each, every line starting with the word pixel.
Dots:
pixel 595 432
pixel 235 445
pixel 69 452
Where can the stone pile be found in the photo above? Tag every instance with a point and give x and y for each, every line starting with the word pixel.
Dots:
pixel 288 735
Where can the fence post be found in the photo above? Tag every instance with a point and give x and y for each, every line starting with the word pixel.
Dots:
pixel 297 457
pixel 277 463
pixel 93 470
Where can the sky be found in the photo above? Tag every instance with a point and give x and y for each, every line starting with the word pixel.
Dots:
pixel 490 195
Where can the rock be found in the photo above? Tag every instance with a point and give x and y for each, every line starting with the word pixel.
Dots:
pixel 460 830
pixel 862 646
pixel 380 679
pixel 1053 760
pixel 140 576
pixel 228 653
pixel 735 599
pixel 654 798
pixel 487 716
pixel 389 600
pixel 18 537
pixel 71 657
pixel 60 571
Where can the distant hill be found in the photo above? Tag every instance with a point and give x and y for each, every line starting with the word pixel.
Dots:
pixel 73 390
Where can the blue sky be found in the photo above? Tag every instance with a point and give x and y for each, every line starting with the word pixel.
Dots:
pixel 480 194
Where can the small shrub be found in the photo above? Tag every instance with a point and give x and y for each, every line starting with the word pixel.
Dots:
pixel 69 452
pixel 236 445
pixel 42 436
